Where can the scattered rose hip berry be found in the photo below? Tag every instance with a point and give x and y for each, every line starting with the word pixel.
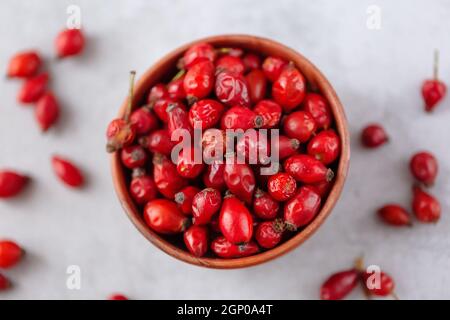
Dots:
pixel 33 89
pixel 339 285
pixel 69 42
pixel 433 90
pixel 24 64
pixel 47 111
pixel 395 215
pixel 425 206
pixel 10 254
pixel 424 167
pixel 374 136
pixel 67 172
pixel 11 183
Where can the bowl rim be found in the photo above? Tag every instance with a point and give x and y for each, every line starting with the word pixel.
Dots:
pixel 340 175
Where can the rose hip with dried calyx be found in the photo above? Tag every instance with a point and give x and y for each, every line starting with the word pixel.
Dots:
pixel 425 207
pixel 142 187
pixel 47 111
pixel 433 90
pixel 165 217
pixel 268 234
pixel 235 221
pixel 395 215
pixel 205 204
pixel 10 254
pixel 11 183
pixel 239 117
pixel 24 64
pixel 67 172
pixel 325 146
pixel 424 167
pixel 69 42
pixel 287 147
pixel 270 111
pixel 375 283
pixel 227 250
pixel 133 156
pixel 196 240
pixel 184 198
pixel 207 112
pixel 282 186
pixel 374 136
pixel 307 169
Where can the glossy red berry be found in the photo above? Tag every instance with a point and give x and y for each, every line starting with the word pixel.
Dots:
pixel 302 208
pixel 235 221
pixel 227 250
pixel 159 91
pixel 241 118
pixel 264 206
pixel 196 240
pixel 213 176
pixel 158 141
pixel 67 172
pixel 10 254
pixel 426 207
pixel 69 42
pixel 143 121
pixel 287 147
pixel 270 111
pixel 178 121
pixel 272 67
pixel 395 215
pixel 307 169
pixel 118 297
pixel 282 186
pixel 4 282
pixel 251 61
pixel 33 88
pixel 198 52
pixel 205 204
pixel 160 108
pixel 24 64
pixel 232 89
pixel 231 64
pixel 379 285
pixel 188 166
pixel 133 156
pixel 175 88
pixel 339 285
pixel 325 146
pixel 254 147
pixel 257 85
pixel 240 180
pixel 268 234
pixel 11 183
pixel 373 136
pixel 166 176
pixel 299 125
pixel 433 90
pixel 289 89
pixel 142 187
pixel 199 80
pixel 322 188
pixel 424 167
pixel 163 216
pixel 47 111
pixel 317 106
pixel 206 112
pixel 184 199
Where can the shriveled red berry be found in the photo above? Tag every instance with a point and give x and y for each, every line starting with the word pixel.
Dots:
pixel 205 204
pixel 24 64
pixel 232 89
pixel 240 180
pixel 47 111
pixel 143 121
pixel 10 254
pixel 161 106
pixel 299 125
pixel 289 89
pixel 163 216
pixel 257 85
pixel 251 61
pixel 272 67
pixel 178 120
pixel 264 206
pixel 317 106
pixel 184 199
pixel 302 208
pixel 11 183
pixel 166 176
pixel 4 282
pixel 118 297
pixel 33 88
pixel 175 88
pixel 339 285
pixel 158 141
pixel 199 80
pixel 120 133
pixel 307 169
pixel 197 53
pixel 235 221
pixel 158 91
pixel 231 64
pixel 287 147
pixel 270 111
pixel 188 165
pixel 214 144
pixel 325 146
pixel 395 215
pixel 206 112
pixel 227 250
pixel 425 206
pixel 69 42
pixel 282 186
pixel 142 187
pixel 67 172
pixel 424 167
pixel 213 176
pixel 196 240
pixel 268 234
pixel 239 117
pixel 254 147
pixel 373 136
pixel 133 156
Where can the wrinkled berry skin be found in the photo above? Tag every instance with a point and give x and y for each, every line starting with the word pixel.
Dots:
pixel 287 147
pixel 433 91
pixel 158 142
pixel 270 111
pixel 307 169
pixel 426 207
pixel 120 134
pixel 282 186
pixel 10 254
pixel 239 117
pixel 235 221
pixel 163 216
pixel 230 64
pixel 299 125
pixel 267 235
pixel 289 89
pixel 227 250
pixel 302 208
pixel 33 88
pixel 272 67
pixel 199 80
pixel 187 165
pixel 67 172
pixel 325 146
pixel 47 111
pixel 213 176
pixel 69 42
pixel 177 119
pixel 339 285
pixel 232 89
pixel 184 199
pixel 240 180
pixel 24 64
pixel 196 240
pixel 257 85
pixel 386 286
pixel 424 167
pixel 394 215
pixel 198 52
pixel 208 112
pixel 317 106
pixel 143 189
pixel 254 147
pixel 143 121
pixel 166 177
pixel 205 204
pixel 11 183
pixel 264 206
pixel 373 136
pixel 159 91
pixel 133 156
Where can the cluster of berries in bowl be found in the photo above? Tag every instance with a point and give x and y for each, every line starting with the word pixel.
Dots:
pixel 228 149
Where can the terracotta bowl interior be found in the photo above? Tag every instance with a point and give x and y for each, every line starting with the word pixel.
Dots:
pixel 161 71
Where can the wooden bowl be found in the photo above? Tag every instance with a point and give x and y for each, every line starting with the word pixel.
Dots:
pixel 316 80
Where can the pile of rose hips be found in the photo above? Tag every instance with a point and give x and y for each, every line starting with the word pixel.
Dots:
pixel 226 206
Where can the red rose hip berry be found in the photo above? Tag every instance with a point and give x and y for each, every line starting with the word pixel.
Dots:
pixel 339 285
pixel 196 240
pixel 257 85
pixel 10 254
pixel 184 199
pixel 163 216
pixel 251 61
pixel 307 169
pixel 232 89
pixel 67 172
pixel 289 89
pixel 235 221
pixel 299 125
pixel 268 234
pixel 287 147
pixel 142 187
pixel 325 146
pixel 264 206
pixel 424 167
pixel 158 142
pixel 270 111
pixel 395 215
pixel 433 90
pixel 143 121
pixel 240 180
pixel 166 176
pixel 207 112
pixel 24 64
pixel 205 204
pixel 213 176
pixel 199 80
pixel 272 67
pixel 198 52
pixel 302 208
pixel 239 117
pixel 11 183
pixel 282 186
pixel 230 64
pixel 4 283
pixel 69 42
pixel 317 106
pixel 33 88
pixel 426 207
pixel 47 111
pixel 133 156
pixel 188 166
pixel 373 136
pixel 227 250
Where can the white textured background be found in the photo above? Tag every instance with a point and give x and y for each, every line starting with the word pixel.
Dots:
pixel 377 74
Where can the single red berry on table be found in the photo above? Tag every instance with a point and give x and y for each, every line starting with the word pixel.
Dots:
pixel 235 221
pixel 67 172
pixel 199 81
pixel 188 166
pixel 143 121
pixel 184 199
pixel 213 176
pixel 69 42
pixel 339 285
pixel 264 206
pixel 272 67
pixel 433 90
pixel 175 88
pixel 133 156
pixel 240 180
pixel 205 204
pixel 374 136
pixel 325 146
pixel 206 112
pixel 197 53
pixel 158 142
pixel 196 240
pixel 425 206
pixel 302 208
pixel 158 91
pixel 282 186
pixel 307 169
pixel 257 85
pixel 166 176
pixel 424 167
pixel 268 234
pixel 11 183
pixel 289 89
pixel 270 111
pixel 118 297
pixel 299 125
pixel 47 111
pixel 33 88
pixel 231 64
pixel 251 61
pixel 395 215
pixel 142 187
pixel 227 250
pixel 287 147
pixel 239 117
pixel 232 89
pixel 24 64
pixel 164 216
pixel 10 254
pixel 317 106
